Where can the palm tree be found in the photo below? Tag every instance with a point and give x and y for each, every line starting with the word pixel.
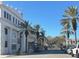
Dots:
pixel 43 32
pixel 26 33
pixel 24 26
pixel 74 25
pixel 72 14
pixel 65 23
pixel 43 37
pixel 37 27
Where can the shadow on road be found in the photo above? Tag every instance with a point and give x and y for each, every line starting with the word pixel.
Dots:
pixel 51 52
pixel 43 52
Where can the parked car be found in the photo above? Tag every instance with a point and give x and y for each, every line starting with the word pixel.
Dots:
pixel 65 49
pixel 75 51
pixel 70 49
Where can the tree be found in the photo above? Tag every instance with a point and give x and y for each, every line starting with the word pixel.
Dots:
pixel 55 40
pixel 25 26
pixel 37 27
pixel 72 14
pixel 66 24
pixel 43 36
pixel 43 32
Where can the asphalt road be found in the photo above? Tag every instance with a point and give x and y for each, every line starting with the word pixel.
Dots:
pixel 45 54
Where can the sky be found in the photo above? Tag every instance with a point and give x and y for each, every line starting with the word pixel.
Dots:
pixel 45 13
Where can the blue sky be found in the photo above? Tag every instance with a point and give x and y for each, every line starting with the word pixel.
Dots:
pixel 47 14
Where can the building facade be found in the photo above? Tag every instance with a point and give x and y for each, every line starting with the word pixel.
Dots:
pixel 10 20
pixel 12 36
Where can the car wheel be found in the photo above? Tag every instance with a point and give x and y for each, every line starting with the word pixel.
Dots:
pixel 72 54
pixel 69 53
pixel 77 54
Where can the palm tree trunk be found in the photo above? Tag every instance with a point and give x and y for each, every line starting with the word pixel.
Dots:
pixel 26 45
pixel 75 37
pixel 37 36
pixel 26 34
pixel 68 37
pixel 68 42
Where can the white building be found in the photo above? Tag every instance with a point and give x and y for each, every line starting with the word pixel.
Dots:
pixel 10 31
pixel 11 38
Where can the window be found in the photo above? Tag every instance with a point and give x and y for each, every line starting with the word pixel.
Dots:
pixel 13 46
pixel 16 21
pixel 9 16
pixel 6 31
pixel 4 14
pixel 6 44
pixel 13 19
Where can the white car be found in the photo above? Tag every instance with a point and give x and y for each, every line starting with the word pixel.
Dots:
pixel 75 51
pixel 69 51
pixel 70 48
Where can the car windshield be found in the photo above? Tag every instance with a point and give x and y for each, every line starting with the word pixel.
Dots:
pixel 72 47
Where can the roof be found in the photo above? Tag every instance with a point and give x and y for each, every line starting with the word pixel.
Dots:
pixel 14 11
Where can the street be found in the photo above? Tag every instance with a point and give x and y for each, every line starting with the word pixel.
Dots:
pixel 44 54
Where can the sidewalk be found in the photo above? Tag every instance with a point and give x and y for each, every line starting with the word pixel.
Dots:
pixel 39 56
pixel 27 55
pixel 2 56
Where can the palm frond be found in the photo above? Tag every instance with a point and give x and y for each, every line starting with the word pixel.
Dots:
pixel 72 11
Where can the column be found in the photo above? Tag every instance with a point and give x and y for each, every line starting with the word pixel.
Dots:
pixel 10 41
pixel 23 43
